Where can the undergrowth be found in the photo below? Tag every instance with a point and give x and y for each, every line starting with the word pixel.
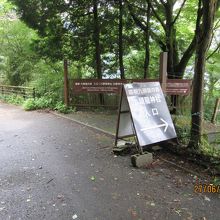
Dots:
pixel 206 147
pixel 37 103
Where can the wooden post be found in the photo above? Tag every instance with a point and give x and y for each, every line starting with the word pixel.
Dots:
pixel 216 110
pixel 66 86
pixel 34 93
pixel 163 71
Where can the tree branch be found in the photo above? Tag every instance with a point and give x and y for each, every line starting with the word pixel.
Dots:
pixel 135 18
pixel 180 68
pixel 191 48
pixel 216 49
pixel 156 15
pixel 163 3
pixel 138 7
pixel 216 25
pixel 178 14
pixel 144 28
pixel 159 41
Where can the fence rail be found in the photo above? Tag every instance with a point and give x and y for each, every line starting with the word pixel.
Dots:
pixel 25 92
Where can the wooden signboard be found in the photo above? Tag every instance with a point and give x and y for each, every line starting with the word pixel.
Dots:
pixel 144 113
pixel 102 85
pixel 172 86
pixel 178 87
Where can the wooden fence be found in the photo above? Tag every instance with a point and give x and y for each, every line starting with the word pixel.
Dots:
pixel 25 92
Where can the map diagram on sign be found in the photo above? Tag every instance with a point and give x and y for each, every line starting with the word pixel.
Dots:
pixel 149 113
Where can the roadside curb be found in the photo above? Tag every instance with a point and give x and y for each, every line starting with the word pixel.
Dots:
pixel 84 124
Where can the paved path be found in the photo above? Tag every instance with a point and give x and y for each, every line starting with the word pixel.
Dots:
pixel 55 169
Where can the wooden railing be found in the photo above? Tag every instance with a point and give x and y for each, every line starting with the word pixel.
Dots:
pixel 25 92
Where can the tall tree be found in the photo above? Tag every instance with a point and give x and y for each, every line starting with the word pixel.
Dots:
pixel 120 39
pixel 96 38
pixel 203 39
pixel 167 17
pixel 55 20
pixel 18 58
pixel 147 42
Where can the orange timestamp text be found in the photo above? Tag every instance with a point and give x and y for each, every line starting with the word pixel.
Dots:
pixel 206 188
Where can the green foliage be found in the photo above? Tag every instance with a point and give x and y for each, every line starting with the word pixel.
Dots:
pixel 209 149
pixel 43 102
pixel 12 99
pixel 46 103
pixel 38 103
pixel 209 105
pixel 29 105
pixel 216 181
pixel 182 126
pixel 48 80
pixel 17 57
pixel 61 107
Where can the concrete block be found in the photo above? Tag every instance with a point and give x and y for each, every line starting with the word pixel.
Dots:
pixel 142 160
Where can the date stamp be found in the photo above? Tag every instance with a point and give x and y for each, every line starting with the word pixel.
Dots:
pixel 206 188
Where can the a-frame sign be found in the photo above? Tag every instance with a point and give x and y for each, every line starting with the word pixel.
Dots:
pixel 143 113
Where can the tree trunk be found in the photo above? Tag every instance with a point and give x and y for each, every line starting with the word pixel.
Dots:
pixel 66 83
pixel 120 39
pixel 97 47
pixel 170 38
pixel 96 37
pixel 203 33
pixel 147 47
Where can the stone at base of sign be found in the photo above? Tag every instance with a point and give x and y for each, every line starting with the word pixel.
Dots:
pixel 141 160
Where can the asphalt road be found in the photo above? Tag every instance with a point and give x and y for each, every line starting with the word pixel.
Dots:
pixel 54 169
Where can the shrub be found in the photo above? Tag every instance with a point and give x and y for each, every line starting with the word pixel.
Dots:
pixel 29 105
pixel 61 107
pixel 182 126
pixel 12 99
pixel 43 102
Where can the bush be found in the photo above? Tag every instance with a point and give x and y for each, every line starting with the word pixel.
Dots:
pixel 183 127
pixel 63 108
pixel 44 102
pixel 38 103
pixel 29 105
pixel 12 99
